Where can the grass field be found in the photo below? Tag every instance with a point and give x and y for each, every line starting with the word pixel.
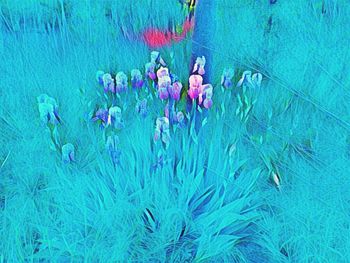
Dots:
pixel 211 196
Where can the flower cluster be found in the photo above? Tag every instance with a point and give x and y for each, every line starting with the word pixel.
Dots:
pixel 168 85
pixel 197 91
pixel 203 93
pixel 150 67
pixel 168 88
pixel 48 111
pixel 117 85
pixel 165 85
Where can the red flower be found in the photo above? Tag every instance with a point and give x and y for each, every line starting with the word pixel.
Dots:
pixel 156 38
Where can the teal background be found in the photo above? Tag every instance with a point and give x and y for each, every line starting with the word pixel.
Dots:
pixel 213 199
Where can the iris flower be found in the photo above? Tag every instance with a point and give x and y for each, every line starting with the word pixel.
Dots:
pixel 164 83
pixel 150 70
pixel 136 78
pixel 48 109
pixel 111 117
pixel 108 83
pixel 175 90
pixel 101 115
pixel 121 80
pixel 196 82
pixel 206 94
pixel 68 153
pixel 162 72
pixel 201 92
pixel 180 117
pixel 199 65
pixel 162 130
pixel 226 78
pixel 250 80
pixel 115 117
pixel 141 108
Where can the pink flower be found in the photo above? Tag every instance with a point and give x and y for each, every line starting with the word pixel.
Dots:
pixel 195 86
pixel 201 92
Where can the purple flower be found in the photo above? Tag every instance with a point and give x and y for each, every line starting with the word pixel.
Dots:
pixel 121 80
pixel 207 103
pixel 141 108
pixel 150 70
pixel 108 83
pixel 48 109
pixel 207 91
pixel 68 153
pixel 136 78
pixel 164 84
pixel 163 93
pixel 226 78
pixel 179 118
pixel 175 90
pixel 101 115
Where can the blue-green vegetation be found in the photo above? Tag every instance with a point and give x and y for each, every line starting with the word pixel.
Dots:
pixel 261 176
